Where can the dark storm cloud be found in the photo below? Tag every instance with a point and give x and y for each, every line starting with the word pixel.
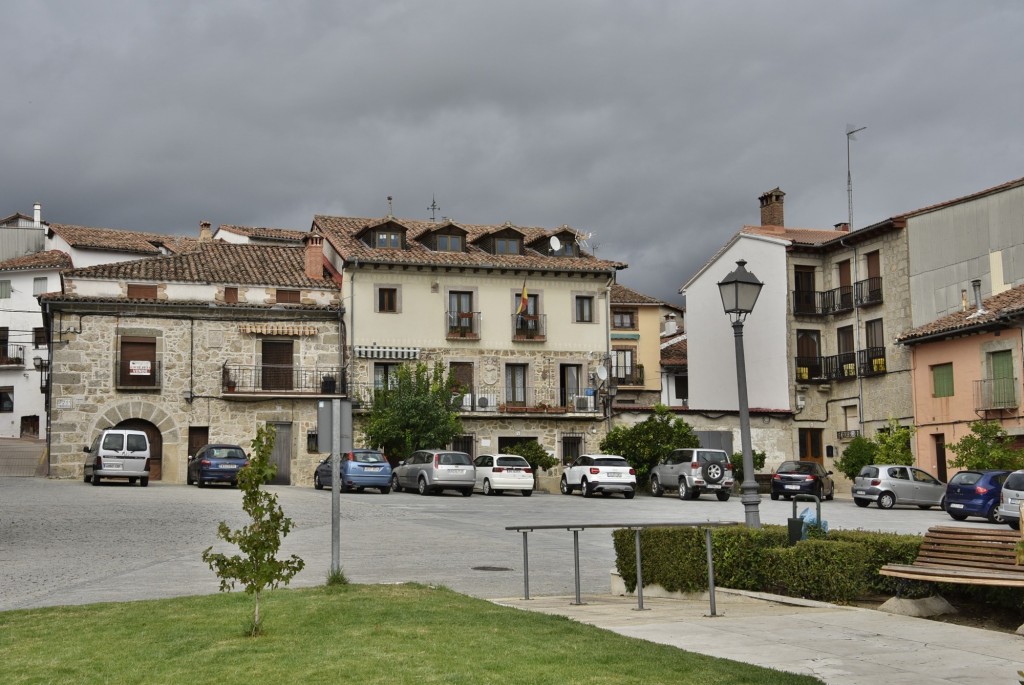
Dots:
pixel 654 125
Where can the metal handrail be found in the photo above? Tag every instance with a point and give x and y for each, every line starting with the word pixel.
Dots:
pixel 636 527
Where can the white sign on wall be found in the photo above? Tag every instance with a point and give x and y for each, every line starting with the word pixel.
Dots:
pixel 138 368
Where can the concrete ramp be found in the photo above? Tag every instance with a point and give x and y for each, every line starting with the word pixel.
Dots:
pixel 20 457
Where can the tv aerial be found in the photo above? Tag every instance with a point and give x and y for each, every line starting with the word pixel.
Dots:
pixel 582 238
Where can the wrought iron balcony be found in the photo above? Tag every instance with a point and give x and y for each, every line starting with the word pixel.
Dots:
pixel 138 374
pixel 995 393
pixel 283 379
pixel 628 376
pixel 841 367
pixel 501 400
pixel 871 361
pixel 12 355
pixel 529 327
pixel 462 325
pixel 868 291
pixel 821 303
pixel 809 370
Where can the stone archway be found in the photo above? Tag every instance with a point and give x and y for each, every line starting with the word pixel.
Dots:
pixel 156 445
pixel 157 424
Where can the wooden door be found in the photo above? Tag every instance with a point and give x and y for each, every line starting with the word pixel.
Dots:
pixel 281 455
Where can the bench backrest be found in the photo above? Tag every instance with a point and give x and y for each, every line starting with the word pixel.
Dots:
pixel 971 548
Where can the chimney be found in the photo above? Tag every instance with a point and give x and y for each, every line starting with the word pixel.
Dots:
pixel 843 226
pixel 314 256
pixel 671 328
pixel 37 214
pixel 976 285
pixel 205 235
pixel 771 208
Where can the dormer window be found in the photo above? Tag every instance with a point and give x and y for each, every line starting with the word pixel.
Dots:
pixel 388 239
pixel 448 243
pixel 506 246
pixel 565 249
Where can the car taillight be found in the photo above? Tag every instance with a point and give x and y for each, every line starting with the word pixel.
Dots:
pixel 632 472
pixel 981 490
pixel 776 477
pixel 528 470
pixel 811 476
pixel 594 470
pixel 351 456
pixel 728 466
pixel 498 469
pixel 875 482
pixel 205 462
pixel 98 464
pixel 437 460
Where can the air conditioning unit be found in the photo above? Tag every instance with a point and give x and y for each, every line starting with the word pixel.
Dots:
pixel 584 403
pixel 487 402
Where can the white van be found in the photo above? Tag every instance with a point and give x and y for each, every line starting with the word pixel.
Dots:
pixel 118 453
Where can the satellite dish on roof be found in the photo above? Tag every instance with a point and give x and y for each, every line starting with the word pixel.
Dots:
pixel 602 373
pixel 555 243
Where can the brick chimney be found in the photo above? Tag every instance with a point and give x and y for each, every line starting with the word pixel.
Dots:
pixel 314 256
pixel 205 235
pixel 771 208
pixel 842 226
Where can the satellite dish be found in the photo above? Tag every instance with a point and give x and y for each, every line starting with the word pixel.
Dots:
pixel 602 373
pixel 555 243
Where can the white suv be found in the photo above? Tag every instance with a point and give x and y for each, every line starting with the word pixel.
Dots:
pixel 604 473
pixel 693 471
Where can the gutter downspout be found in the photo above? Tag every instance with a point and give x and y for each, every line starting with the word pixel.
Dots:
pixel 856 339
pixel 608 343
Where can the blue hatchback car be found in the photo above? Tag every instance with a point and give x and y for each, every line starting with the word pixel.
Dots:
pixel 361 468
pixel 975 493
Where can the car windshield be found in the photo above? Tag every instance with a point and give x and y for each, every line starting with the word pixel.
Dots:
pixel 454 459
pixel 608 461
pixel 227 453
pixel 797 467
pixel 369 457
pixel 512 461
pixel 965 478
pixel 712 456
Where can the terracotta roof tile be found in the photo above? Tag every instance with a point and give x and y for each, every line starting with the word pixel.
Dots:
pixel 342 232
pixel 216 262
pixel 49 259
pixel 674 354
pixel 623 295
pixel 116 240
pixel 70 297
pixel 263 233
pixel 801 236
pixel 1007 304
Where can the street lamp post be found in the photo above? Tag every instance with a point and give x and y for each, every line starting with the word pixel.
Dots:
pixel 739 292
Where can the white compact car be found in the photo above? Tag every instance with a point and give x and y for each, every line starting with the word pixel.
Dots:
pixel 496 473
pixel 604 473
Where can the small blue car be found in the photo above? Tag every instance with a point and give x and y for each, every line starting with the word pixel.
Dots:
pixel 975 493
pixel 216 464
pixel 360 468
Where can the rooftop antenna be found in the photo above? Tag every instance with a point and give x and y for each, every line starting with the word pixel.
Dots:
pixel 581 240
pixel 850 131
pixel 433 208
pixel 390 213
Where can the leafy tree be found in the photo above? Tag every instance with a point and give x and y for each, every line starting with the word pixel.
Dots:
pixel 737 463
pixel 416 411
pixel 531 451
pixel 987 446
pixel 858 454
pixel 646 443
pixel 894 444
pixel 260 541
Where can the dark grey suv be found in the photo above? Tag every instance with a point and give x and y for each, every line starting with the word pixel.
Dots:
pixel 692 471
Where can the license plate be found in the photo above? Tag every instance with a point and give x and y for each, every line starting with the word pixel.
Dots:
pixel 956 506
pixel 117 467
pixel 792 487
pixel 372 469
pixel 1015 500
pixel 229 466
pixel 859 492
pixel 615 475
pixel 457 472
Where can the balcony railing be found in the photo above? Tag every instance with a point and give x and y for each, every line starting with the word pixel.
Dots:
pixel 871 361
pixel 504 400
pixel 529 327
pixel 840 367
pixel 868 291
pixel 283 379
pixel 138 374
pixel 629 376
pixel 809 369
pixel 995 393
pixel 12 355
pixel 462 325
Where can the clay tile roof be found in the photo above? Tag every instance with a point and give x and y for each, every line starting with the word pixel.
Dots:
pixel 343 233
pixel 116 240
pixel 674 354
pixel 623 295
pixel 1006 305
pixel 801 236
pixel 50 259
pixel 262 233
pixel 216 262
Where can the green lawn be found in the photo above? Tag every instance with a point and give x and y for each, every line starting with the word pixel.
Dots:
pixel 354 633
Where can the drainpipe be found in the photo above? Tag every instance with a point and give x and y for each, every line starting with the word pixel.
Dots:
pixel 856 336
pixel 608 342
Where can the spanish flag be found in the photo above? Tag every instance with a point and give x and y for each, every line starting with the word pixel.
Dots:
pixel 524 301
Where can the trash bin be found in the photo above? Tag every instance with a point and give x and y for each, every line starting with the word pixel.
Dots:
pixel 796 524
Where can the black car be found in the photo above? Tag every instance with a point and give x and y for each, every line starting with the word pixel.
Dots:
pixel 802 478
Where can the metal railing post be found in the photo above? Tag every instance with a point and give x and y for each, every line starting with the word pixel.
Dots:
pixel 711 569
pixel 576 561
pixel 526 569
pixel 639 572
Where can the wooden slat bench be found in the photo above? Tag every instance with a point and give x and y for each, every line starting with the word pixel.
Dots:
pixel 971 556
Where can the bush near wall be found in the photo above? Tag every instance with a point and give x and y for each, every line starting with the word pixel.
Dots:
pixel 839 567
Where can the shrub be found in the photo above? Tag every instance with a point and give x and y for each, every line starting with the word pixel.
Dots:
pixel 858 454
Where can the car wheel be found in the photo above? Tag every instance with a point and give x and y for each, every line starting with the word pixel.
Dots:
pixel 95 480
pixel 468 492
pixel 713 472
pixel 656 488
pixel 487 487
pixel 421 485
pixel 200 482
pixel 585 488
pixel 886 500
pixel 775 496
pixel 188 478
pixel 994 516
pixel 131 481
pixel 861 502
pixel 723 495
pixel 820 492
pixel 144 481
pixel 394 484
pixel 563 486
pixel 385 490
pixel 684 490
pixel 317 483
pixel 88 479
pixel 831 493
pixel 957 516
pixel 1013 523
pixel 629 494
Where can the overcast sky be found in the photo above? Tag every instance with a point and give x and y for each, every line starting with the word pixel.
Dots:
pixel 654 125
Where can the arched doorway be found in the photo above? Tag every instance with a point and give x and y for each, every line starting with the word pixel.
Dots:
pixel 156 444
